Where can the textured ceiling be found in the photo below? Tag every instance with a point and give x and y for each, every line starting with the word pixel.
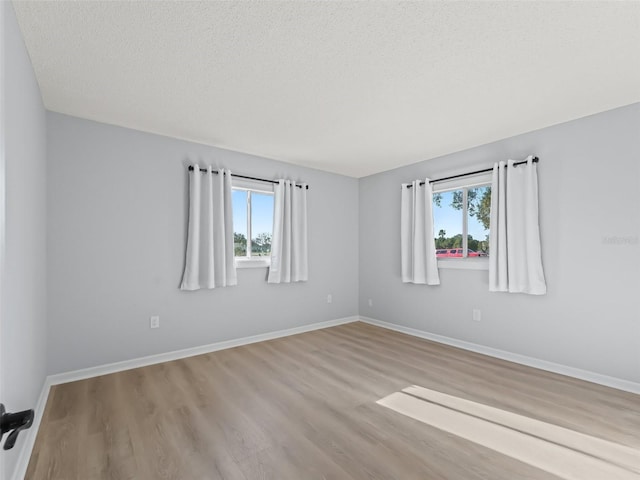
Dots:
pixel 348 87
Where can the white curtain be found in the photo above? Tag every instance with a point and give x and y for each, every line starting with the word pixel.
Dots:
pixel 289 261
pixel 209 259
pixel 515 261
pixel 417 243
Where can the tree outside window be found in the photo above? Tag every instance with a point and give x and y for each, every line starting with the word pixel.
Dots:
pixel 453 219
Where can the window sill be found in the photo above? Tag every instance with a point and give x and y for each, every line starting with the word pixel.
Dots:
pixel 263 262
pixel 464 263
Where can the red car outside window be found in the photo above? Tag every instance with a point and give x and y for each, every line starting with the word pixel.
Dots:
pixel 455 253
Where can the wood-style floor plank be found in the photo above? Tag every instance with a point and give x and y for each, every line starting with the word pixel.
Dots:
pixel 303 408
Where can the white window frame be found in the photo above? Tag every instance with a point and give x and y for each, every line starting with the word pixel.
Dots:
pixel 258 187
pixel 464 183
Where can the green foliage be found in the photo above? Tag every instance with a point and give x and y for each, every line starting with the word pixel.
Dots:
pixel 451 242
pixel 482 207
pixel 478 203
pixel 261 245
pixel 239 245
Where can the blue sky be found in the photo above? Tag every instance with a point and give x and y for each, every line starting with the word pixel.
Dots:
pixel 262 213
pixel 450 220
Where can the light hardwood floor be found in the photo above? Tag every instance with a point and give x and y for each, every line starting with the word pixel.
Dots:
pixel 303 408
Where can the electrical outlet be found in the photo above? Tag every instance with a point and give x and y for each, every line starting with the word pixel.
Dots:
pixel 154 322
pixel 477 314
pixel 329 298
pixel 370 303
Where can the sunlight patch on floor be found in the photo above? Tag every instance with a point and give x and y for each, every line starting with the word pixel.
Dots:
pixel 563 452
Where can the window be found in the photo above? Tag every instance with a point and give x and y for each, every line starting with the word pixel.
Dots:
pixel 252 223
pixel 461 216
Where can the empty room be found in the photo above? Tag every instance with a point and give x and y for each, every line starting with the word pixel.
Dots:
pixel 300 240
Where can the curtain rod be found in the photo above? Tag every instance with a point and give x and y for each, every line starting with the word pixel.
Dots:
pixel 204 170
pixel 534 160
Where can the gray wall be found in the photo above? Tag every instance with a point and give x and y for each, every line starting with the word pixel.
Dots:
pixel 117 227
pixel 589 182
pixel 117 230
pixel 23 315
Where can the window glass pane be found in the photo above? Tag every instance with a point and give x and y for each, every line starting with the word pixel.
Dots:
pixel 239 203
pixel 261 223
pixel 479 211
pixel 447 222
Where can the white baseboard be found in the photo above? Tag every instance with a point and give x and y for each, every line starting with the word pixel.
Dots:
pixel 189 352
pixel 593 377
pixel 27 437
